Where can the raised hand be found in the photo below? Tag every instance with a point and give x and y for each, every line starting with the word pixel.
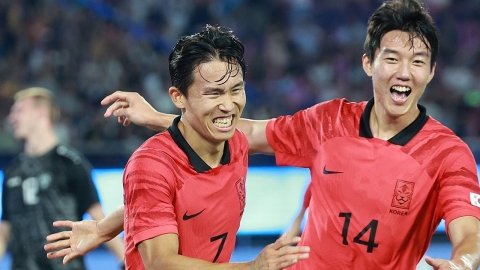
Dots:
pixel 82 239
pixel 280 254
pixel 129 107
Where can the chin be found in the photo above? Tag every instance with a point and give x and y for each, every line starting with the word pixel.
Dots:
pixel 224 136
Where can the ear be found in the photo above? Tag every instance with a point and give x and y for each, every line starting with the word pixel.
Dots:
pixel 177 97
pixel 367 65
pixel 432 72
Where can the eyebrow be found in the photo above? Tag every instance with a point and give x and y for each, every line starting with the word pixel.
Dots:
pixel 239 84
pixel 417 53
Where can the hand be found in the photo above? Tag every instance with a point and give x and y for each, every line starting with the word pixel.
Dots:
pixel 441 264
pixel 82 239
pixel 129 107
pixel 280 254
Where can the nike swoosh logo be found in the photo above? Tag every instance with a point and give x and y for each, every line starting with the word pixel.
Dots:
pixel 187 217
pixel 325 171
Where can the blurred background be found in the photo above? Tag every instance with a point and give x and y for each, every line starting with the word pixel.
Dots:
pixel 298 53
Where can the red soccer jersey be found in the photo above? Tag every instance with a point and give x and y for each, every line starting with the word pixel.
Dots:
pixel 168 188
pixel 307 196
pixel 375 204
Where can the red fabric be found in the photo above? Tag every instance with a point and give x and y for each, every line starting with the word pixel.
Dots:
pixel 161 187
pixel 374 204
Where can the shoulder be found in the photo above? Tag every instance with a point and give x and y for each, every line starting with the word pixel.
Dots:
pixel 442 135
pixel 443 144
pixel 12 165
pixel 337 106
pixel 68 153
pixel 159 151
pixel 239 138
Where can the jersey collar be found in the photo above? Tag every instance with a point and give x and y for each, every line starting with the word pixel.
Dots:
pixel 198 164
pixel 404 136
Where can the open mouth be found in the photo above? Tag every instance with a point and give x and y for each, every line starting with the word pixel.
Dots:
pixel 400 93
pixel 223 122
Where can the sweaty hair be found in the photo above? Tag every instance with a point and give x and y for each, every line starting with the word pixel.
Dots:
pixel 41 96
pixel 213 42
pixel 405 15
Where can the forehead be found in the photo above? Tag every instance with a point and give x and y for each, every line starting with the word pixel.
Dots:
pixel 23 103
pixel 402 42
pixel 217 73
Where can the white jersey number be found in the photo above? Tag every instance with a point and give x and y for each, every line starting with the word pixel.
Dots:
pixel 30 188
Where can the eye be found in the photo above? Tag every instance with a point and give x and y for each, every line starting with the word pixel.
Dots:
pixel 421 62
pixel 213 93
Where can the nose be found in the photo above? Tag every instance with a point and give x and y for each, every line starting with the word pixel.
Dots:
pixel 404 72
pixel 226 103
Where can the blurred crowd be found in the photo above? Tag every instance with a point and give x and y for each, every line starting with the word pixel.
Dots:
pixel 299 52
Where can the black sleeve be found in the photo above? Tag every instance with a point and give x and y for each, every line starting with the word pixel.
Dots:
pixel 82 186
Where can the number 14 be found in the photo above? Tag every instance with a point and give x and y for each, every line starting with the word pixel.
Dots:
pixel 372 226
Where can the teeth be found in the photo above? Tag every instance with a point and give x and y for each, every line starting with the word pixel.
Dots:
pixel 401 88
pixel 223 122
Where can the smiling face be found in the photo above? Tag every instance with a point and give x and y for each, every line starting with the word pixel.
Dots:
pixel 215 102
pixel 400 72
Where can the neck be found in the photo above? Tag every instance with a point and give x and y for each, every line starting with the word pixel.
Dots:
pixel 384 126
pixel 40 142
pixel 210 153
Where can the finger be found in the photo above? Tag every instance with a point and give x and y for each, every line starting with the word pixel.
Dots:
pixel 57 245
pixel 431 261
pixel 117 95
pixel 59 235
pixel 290 260
pixel 120 112
pixel 126 122
pixel 113 109
pixel 285 241
pixel 294 250
pixel 70 257
pixel 59 253
pixel 63 223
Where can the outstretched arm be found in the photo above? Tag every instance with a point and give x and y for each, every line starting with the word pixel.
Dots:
pixel 84 236
pixel 115 245
pixel 131 107
pixel 464 234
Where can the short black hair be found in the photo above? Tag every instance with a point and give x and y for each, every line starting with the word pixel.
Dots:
pixel 405 15
pixel 213 42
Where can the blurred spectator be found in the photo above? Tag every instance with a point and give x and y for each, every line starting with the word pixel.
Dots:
pixel 299 52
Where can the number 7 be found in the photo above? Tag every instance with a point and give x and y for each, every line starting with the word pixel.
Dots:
pixel 222 236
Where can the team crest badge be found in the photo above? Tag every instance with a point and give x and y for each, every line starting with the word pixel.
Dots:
pixel 475 199
pixel 402 195
pixel 241 192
